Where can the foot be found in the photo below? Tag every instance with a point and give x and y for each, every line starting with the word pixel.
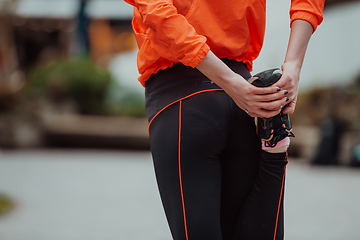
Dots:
pixel 271 130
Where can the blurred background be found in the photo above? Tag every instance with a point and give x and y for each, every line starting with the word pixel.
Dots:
pixel 74 149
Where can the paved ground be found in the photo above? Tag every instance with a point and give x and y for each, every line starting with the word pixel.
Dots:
pixel 108 195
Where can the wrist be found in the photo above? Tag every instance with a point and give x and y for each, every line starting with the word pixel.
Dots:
pixel 295 65
pixel 218 72
pixel 231 82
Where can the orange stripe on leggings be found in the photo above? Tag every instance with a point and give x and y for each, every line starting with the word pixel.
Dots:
pixel 208 90
pixel 282 187
pixel 179 157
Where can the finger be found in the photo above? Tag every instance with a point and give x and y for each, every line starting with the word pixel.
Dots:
pixel 290 108
pixel 282 81
pixel 272 97
pixel 264 113
pixel 274 105
pixel 265 90
pixel 269 114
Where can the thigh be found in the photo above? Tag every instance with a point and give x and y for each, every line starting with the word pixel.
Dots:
pixel 187 140
pixel 240 162
pixel 252 185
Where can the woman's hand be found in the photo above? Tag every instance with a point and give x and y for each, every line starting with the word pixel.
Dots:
pixel 299 38
pixel 290 82
pixel 258 102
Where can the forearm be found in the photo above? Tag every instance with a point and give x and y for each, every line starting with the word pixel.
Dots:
pixel 299 38
pixel 216 70
pixel 301 32
pixel 259 102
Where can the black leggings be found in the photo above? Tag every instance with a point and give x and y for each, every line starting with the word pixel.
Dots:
pixel 214 180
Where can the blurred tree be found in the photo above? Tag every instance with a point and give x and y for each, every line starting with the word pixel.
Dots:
pixel 125 102
pixel 90 87
pixel 77 80
pixel 5 204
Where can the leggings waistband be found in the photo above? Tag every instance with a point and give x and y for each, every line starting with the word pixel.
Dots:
pixel 179 81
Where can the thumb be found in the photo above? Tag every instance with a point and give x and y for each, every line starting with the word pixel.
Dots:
pixel 290 108
pixel 282 81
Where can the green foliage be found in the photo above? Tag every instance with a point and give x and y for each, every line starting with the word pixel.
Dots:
pixel 5 204
pixel 125 102
pixel 79 80
pixel 130 105
pixel 91 88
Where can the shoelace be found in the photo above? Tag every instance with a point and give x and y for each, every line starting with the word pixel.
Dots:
pixel 279 131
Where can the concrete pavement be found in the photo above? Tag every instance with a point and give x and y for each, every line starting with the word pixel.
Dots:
pixel 108 195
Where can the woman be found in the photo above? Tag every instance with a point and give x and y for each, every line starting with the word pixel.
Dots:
pixel 194 58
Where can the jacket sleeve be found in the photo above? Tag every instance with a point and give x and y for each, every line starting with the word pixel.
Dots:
pixel 308 10
pixel 170 31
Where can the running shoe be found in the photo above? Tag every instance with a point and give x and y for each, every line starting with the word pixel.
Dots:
pixel 274 129
pixel 265 78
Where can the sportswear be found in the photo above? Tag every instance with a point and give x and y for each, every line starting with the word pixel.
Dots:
pixel 265 78
pixel 214 183
pixel 172 31
pixel 271 130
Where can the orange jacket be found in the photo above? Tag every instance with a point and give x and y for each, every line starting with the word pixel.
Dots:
pixel 172 31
